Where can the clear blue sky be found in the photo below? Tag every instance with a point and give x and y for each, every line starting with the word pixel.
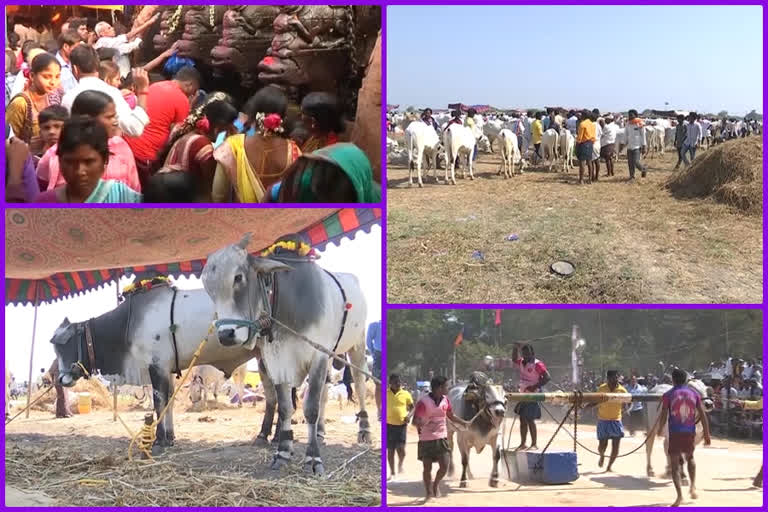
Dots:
pixel 704 58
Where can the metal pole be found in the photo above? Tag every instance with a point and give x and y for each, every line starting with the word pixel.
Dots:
pixel 114 401
pixel 733 371
pixel 600 324
pixel 560 398
pixel 117 303
pixel 32 351
pixel 454 366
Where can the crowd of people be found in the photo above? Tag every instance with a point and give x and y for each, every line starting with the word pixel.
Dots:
pixel 431 412
pixel 595 136
pixel 83 127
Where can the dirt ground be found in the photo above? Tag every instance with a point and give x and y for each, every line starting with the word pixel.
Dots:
pixel 724 477
pixel 630 242
pixel 63 462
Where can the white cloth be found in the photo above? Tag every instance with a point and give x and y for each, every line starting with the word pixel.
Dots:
pixel 693 134
pixel 635 136
pixel 610 132
pixel 123 47
pixel 18 84
pixel 131 122
pixel 571 124
pixel 596 144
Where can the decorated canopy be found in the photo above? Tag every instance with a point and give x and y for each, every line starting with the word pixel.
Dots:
pixel 51 254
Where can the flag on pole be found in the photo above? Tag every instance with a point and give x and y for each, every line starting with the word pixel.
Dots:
pixel 459 337
pixel 498 318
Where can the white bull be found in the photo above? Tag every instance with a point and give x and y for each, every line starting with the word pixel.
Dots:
pixel 459 141
pixel 510 153
pixel 421 140
pixel 550 146
pixel 567 142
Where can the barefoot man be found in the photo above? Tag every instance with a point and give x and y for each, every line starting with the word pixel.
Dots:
pixel 399 407
pixel 680 404
pixel 609 424
pixel 430 416
pixel 533 375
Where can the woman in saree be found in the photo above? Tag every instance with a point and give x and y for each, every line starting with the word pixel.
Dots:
pixel 340 173
pixel 248 164
pixel 190 147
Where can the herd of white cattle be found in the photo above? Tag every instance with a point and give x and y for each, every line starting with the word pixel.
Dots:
pixel 422 142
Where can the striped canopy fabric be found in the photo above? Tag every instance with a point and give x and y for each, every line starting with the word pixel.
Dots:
pixel 53 254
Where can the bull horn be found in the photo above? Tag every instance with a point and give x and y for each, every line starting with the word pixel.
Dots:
pixel 243 244
pixel 267 265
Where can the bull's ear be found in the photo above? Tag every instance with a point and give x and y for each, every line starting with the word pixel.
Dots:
pixel 243 244
pixel 65 322
pixel 267 265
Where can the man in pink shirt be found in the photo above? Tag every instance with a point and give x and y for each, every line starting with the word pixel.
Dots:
pixel 429 417
pixel 533 375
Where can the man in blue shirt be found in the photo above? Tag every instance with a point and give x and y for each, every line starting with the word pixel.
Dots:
pixel 373 344
pixel 67 42
pixel 635 409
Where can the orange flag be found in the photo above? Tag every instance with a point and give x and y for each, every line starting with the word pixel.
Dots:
pixel 459 337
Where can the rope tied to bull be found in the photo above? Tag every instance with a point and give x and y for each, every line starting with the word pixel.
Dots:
pixel 145 438
pixel 651 431
pixel 324 350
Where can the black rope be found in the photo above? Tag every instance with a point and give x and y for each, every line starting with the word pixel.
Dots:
pixel 594 452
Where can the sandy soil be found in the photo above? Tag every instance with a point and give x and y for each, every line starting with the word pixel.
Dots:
pixel 210 443
pixel 724 477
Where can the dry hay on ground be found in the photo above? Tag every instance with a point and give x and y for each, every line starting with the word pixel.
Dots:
pixel 97 390
pixel 95 471
pixel 731 173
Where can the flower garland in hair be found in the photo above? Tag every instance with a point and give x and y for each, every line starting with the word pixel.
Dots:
pixel 269 124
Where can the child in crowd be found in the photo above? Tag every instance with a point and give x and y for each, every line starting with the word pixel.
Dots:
pixel 83 152
pixel 51 119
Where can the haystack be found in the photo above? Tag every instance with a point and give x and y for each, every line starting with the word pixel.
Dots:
pixel 731 173
pixel 97 390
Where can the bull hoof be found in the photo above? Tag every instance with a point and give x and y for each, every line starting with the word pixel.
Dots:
pixel 410 184
pixel 261 440
pixel 364 437
pixel 157 450
pixel 318 469
pixel 278 462
pixel 651 473
pixel 463 484
pixel 494 482
pixel 421 185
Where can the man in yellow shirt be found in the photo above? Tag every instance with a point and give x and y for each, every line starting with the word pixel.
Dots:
pixel 399 408
pixel 585 141
pixel 537 132
pixel 609 424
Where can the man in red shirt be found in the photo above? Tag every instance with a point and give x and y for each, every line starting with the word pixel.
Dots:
pixel 167 106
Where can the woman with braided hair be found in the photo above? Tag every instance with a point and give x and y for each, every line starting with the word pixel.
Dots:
pixel 190 147
pixel 249 164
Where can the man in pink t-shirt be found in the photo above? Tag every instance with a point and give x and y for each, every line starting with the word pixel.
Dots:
pixel 429 417
pixel 533 375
